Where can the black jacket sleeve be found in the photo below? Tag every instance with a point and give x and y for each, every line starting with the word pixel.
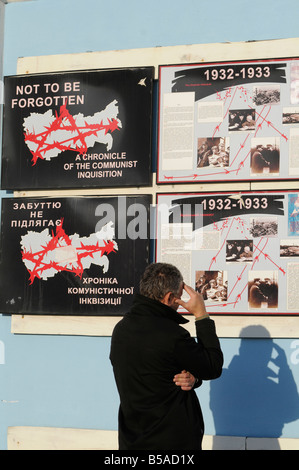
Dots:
pixel 203 358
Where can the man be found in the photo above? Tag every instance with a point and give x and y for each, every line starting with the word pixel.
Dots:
pixel 256 295
pixel 157 364
pixel 203 154
pixel 249 123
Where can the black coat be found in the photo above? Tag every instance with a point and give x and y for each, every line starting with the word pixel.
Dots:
pixel 148 348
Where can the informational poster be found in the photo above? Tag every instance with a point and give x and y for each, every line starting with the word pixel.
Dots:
pixel 77 129
pixel 239 250
pixel 69 256
pixel 229 121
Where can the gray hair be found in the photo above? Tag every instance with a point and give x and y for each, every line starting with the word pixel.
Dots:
pixel 160 278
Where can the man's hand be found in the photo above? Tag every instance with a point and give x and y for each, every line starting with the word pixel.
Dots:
pixel 195 304
pixel 185 380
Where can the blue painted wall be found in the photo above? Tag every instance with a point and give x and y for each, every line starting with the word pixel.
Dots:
pixel 42 27
pixel 67 381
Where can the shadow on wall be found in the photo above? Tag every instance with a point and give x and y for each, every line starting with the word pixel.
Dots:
pixel 256 395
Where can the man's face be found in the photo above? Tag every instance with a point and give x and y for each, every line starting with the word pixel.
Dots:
pixel 176 295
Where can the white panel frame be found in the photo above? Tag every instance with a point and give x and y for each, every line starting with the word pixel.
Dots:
pixel 47 438
pixel 227 326
pixel 155 56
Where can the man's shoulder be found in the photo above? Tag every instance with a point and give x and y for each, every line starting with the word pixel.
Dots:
pixel 119 326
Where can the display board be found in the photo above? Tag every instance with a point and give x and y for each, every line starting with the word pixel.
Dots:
pixel 77 129
pixel 229 121
pixel 240 250
pixel 67 256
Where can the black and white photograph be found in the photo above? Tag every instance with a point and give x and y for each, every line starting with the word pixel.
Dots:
pixel 212 152
pixel 289 248
pixel 212 285
pixel 265 155
pixel 290 115
pixel 241 120
pixel 239 250
pixel 263 226
pixel 263 290
pixel 266 95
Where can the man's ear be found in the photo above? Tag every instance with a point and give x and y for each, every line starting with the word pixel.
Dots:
pixel 167 299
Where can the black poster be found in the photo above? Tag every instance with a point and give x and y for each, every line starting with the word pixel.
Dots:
pixel 77 129
pixel 69 256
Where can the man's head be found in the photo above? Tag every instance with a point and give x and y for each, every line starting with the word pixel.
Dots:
pixel 162 282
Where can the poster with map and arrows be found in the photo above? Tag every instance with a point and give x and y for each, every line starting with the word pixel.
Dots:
pixel 229 121
pixel 239 250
